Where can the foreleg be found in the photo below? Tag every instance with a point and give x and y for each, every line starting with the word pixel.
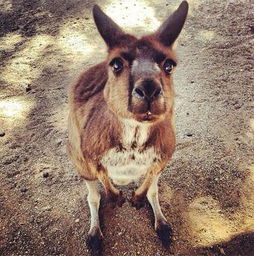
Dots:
pixel 114 195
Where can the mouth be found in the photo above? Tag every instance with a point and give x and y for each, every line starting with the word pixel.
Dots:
pixel 148 111
pixel 147 117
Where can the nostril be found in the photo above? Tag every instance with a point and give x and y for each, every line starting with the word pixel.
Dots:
pixel 157 93
pixel 138 93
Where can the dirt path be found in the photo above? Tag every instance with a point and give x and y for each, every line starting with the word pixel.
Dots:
pixel 206 191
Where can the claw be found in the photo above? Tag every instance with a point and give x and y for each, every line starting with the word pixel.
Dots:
pixel 120 199
pixel 137 201
pixel 116 199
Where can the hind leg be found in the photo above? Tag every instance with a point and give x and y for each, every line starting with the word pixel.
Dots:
pixel 95 235
pixel 162 228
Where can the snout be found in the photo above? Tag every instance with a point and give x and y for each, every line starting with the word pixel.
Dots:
pixel 148 90
pixel 147 102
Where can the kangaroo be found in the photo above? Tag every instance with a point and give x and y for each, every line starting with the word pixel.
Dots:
pixel 121 119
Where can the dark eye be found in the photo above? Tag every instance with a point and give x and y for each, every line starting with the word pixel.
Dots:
pixel 117 65
pixel 168 66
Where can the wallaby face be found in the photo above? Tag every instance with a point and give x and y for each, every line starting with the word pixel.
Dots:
pixel 121 125
pixel 140 77
pixel 140 70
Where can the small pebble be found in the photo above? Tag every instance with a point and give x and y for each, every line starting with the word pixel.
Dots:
pixel 28 88
pixel 22 222
pixel 45 175
pixel 23 190
pixel 77 221
pixel 46 208
pixel 222 251
pixel 59 142
pixel 2 134
pixel 192 82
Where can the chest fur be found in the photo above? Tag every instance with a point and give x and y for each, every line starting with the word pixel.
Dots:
pixel 131 161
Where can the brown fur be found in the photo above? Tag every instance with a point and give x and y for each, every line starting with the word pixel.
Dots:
pixel 100 100
pixel 98 126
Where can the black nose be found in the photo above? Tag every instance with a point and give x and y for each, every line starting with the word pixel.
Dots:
pixel 147 90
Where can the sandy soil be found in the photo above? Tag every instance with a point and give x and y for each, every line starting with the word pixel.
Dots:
pixel 207 190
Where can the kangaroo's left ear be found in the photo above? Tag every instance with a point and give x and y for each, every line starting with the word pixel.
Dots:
pixel 171 28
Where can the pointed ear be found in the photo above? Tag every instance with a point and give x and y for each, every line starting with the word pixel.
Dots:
pixel 171 28
pixel 108 29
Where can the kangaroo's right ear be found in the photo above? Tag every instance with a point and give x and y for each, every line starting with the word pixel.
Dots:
pixel 109 30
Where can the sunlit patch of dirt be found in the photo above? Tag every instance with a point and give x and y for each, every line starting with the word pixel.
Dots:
pixel 14 111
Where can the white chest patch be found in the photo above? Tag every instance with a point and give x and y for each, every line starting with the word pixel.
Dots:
pixel 131 162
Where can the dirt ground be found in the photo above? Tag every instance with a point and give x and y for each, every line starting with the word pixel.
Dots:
pixel 206 192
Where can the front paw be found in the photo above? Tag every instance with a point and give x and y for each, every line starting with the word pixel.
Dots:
pixel 137 201
pixel 164 231
pixel 116 199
